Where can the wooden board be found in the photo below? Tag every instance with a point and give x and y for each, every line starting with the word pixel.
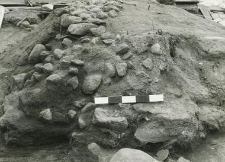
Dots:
pixel 218 15
pixel 57 5
pixel 2 13
pixel 206 12
pixel 186 1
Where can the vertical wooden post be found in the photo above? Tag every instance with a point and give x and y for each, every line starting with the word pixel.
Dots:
pixel 2 12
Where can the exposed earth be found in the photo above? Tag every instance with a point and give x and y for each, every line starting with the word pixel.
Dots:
pixel 52 67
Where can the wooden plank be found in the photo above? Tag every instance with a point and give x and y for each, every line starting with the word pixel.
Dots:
pixel 205 11
pixel 215 16
pixel 12 4
pixel 24 8
pixel 34 5
pixel 2 13
pixel 217 10
pixel 187 1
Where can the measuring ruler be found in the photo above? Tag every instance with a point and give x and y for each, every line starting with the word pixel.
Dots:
pixel 129 99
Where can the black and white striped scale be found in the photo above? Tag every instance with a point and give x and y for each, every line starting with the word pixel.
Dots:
pixel 129 99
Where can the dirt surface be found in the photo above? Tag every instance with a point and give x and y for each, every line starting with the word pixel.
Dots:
pixel 212 150
pixel 185 73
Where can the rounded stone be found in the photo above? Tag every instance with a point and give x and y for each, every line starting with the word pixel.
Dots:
pixel 67 42
pixel 47 68
pixel 67 20
pixel 46 114
pixel 156 49
pixel 34 56
pixel 162 155
pixel 44 54
pixel 98 31
pixel 122 49
pixel 113 13
pixel 132 155
pixel 121 69
pixel 80 29
pixel 73 71
pixel 72 114
pixel 58 53
pixel 73 82
pixel 91 83
pixel 148 64
pixel 110 70
pixel 77 62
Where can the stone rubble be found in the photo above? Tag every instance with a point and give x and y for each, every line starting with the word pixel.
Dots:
pixel 75 73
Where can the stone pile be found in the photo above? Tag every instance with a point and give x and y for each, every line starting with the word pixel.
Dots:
pixel 89 59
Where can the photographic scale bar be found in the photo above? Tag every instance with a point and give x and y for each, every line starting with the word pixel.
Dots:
pixel 129 99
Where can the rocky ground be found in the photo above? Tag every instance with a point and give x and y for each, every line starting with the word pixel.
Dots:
pixel 53 67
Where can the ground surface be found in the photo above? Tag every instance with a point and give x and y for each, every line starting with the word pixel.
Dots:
pixel 212 149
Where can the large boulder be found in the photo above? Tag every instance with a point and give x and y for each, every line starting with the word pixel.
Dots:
pixel 131 155
pixel 105 119
pixel 167 120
